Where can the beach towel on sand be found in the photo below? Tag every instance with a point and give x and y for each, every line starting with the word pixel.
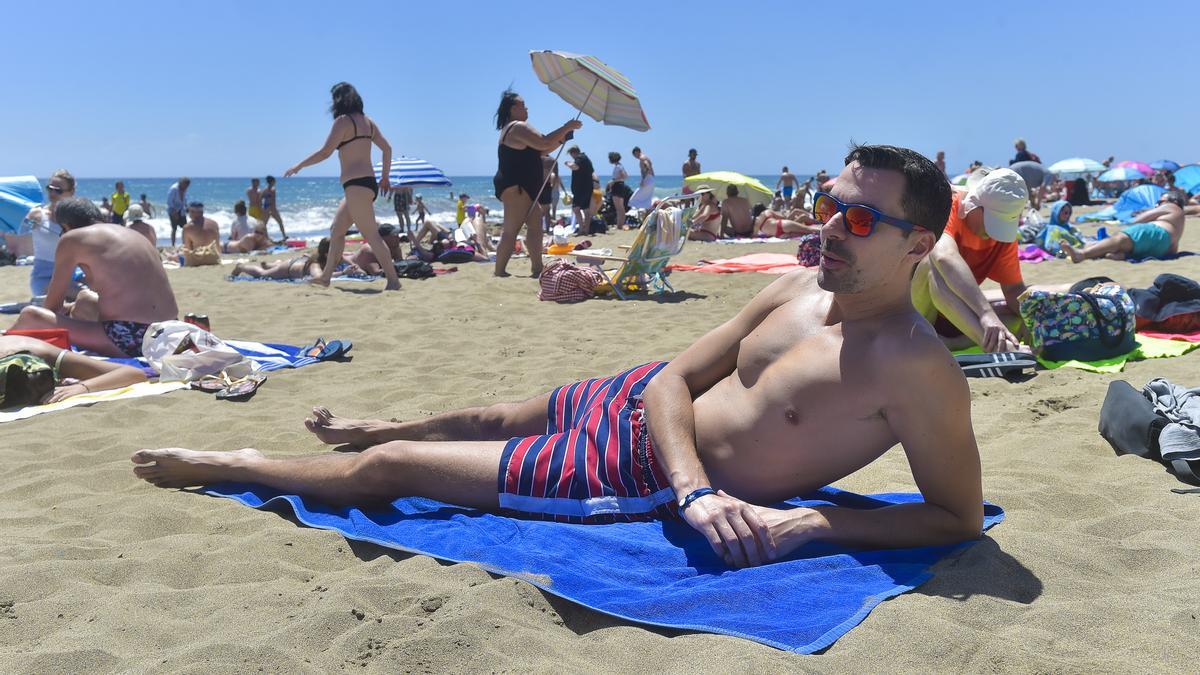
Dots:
pixel 266 357
pixel 661 573
pixel 767 263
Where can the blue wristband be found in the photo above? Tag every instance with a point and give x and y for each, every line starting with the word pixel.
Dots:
pixel 694 495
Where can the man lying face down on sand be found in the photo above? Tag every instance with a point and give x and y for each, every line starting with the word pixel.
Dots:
pixel 128 287
pixel 815 378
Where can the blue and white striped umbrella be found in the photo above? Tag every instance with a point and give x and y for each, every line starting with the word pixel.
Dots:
pixel 411 172
pixel 1121 173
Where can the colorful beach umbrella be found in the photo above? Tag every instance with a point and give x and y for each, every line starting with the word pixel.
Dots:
pixel 1140 166
pixel 412 172
pixel 748 187
pixel 592 87
pixel 1164 165
pixel 1121 173
pixel 1076 165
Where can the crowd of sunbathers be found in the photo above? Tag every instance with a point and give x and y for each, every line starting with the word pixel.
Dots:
pixel 734 217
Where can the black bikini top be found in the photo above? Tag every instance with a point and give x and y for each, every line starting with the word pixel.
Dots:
pixel 356 134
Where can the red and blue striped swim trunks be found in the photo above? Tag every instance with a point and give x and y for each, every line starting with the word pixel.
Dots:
pixel 596 463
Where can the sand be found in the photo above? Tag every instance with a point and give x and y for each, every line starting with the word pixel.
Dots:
pixel 1093 570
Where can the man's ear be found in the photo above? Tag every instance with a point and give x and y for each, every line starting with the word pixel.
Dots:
pixel 921 244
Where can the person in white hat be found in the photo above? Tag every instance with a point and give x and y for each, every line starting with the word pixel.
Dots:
pixel 979 243
pixel 135 219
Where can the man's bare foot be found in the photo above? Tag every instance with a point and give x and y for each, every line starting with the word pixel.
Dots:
pixel 502 274
pixel 318 281
pixel 334 430
pixel 237 269
pixel 392 287
pixel 1074 255
pixel 177 467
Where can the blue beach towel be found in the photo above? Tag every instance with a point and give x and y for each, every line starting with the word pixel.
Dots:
pixel 266 357
pixel 660 573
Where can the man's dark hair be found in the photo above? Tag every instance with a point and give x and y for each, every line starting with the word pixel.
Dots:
pixel 503 115
pixel 614 157
pixel 253 181
pixel 1174 198
pixel 196 205
pixel 240 207
pixel 731 190
pixel 346 100
pixel 636 150
pixel 927 195
pixel 74 212
pixel 270 180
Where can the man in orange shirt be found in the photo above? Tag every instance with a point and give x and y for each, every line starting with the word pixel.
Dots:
pixel 979 243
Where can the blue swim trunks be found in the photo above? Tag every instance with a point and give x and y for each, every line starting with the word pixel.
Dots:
pixel 1149 240
pixel 787 191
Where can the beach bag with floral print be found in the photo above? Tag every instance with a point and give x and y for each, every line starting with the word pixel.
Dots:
pixel 809 251
pixel 1091 322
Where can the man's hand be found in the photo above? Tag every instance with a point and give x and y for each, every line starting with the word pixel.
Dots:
pixel 291 172
pixel 733 528
pixel 996 336
pixel 791 528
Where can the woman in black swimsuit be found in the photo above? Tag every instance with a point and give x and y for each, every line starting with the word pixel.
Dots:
pixel 352 135
pixel 520 177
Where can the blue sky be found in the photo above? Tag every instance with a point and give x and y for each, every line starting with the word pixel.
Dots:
pixel 131 89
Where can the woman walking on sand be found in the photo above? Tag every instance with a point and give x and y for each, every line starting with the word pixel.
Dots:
pixel 520 176
pixel 352 135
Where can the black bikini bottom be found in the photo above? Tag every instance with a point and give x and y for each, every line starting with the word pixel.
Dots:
pixel 368 182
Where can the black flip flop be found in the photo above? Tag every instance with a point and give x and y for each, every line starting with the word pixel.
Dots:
pixel 1009 365
pixel 242 389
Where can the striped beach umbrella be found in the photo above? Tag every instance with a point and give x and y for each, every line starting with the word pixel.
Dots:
pixel 591 87
pixel 412 172
pixel 1121 173
pixel 1076 165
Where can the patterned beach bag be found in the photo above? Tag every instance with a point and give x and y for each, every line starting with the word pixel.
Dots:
pixel 809 251
pixel 564 282
pixel 1091 322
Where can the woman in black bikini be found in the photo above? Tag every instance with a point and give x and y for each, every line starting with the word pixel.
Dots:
pixel 352 135
pixel 520 177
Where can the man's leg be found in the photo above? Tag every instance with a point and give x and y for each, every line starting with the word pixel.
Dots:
pixel 87 334
pixel 457 473
pixel 1119 244
pixel 497 422
pixel 86 306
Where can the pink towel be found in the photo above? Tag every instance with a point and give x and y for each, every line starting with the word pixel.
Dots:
pixel 767 263
pixel 1033 254
pixel 1194 336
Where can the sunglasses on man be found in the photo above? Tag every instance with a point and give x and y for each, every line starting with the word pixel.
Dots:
pixel 858 219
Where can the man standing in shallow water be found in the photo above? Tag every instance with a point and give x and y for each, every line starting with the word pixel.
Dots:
pixel 816 377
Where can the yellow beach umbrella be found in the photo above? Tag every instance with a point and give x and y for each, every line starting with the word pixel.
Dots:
pixel 748 187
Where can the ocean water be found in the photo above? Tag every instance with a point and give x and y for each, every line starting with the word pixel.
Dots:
pixel 307 204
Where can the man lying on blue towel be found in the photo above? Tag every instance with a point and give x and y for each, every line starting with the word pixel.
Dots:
pixel 816 377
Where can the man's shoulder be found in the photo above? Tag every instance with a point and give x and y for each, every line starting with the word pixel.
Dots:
pixel 910 350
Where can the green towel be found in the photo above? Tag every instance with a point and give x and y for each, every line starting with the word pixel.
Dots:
pixel 1147 348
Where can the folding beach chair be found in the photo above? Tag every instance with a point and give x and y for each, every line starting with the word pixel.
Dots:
pixel 661 236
